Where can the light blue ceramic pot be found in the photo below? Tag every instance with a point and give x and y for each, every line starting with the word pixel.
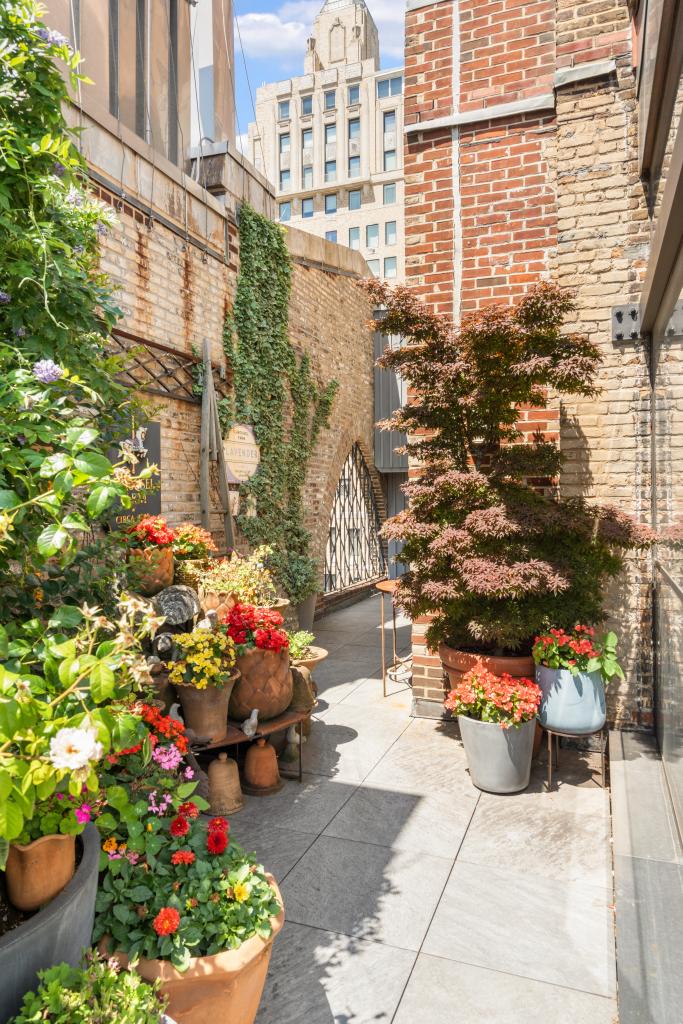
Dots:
pixel 571 704
pixel 499 759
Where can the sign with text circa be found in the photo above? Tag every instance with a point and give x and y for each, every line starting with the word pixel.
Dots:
pixel 242 454
pixel 145 444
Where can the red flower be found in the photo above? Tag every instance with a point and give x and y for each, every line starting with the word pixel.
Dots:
pixel 189 810
pixel 218 825
pixel 183 857
pixel 216 842
pixel 180 826
pixel 166 922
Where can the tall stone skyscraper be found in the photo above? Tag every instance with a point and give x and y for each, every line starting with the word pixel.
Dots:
pixel 331 140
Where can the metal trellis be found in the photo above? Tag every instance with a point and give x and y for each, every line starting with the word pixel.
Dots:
pixel 354 552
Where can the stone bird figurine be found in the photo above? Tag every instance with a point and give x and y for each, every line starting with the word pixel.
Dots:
pixel 250 726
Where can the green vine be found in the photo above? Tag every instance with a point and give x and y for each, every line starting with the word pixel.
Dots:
pixel 276 393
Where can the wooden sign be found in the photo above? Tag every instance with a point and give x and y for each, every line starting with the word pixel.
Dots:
pixel 242 454
pixel 145 443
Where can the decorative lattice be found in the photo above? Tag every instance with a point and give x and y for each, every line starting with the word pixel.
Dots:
pixel 354 549
pixel 159 370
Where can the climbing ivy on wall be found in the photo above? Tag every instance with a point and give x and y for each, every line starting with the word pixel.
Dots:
pixel 276 393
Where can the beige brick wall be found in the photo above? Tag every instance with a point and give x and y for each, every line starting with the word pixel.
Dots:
pixel 173 258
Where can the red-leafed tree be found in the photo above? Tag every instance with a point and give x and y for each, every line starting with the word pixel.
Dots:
pixel 494 557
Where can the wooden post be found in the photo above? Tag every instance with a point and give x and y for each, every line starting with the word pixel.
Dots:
pixel 205 443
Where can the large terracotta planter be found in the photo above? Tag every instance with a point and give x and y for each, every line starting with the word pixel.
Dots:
pixel 152 569
pixel 223 989
pixel 265 683
pixel 37 872
pixel 459 663
pixel 314 657
pixel 206 711
pixel 57 933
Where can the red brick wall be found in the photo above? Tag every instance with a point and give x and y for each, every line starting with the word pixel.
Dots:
pixel 494 205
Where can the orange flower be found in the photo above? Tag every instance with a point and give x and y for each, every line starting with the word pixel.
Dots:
pixel 167 921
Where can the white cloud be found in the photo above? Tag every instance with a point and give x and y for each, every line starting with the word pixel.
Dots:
pixel 284 33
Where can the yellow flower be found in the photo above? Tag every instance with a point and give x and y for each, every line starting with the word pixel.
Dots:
pixel 241 892
pixel 150 827
pixel 110 845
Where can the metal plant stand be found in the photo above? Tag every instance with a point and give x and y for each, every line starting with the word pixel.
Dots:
pixel 555 736
pixel 399 666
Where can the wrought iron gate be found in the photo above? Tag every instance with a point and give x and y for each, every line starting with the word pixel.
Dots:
pixel 354 549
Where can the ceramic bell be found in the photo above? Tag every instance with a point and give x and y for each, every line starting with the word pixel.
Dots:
pixel 225 792
pixel 261 775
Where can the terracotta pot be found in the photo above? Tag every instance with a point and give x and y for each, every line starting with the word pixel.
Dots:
pixel 261 775
pixel 225 793
pixel 165 691
pixel 189 571
pixel 36 873
pixel 226 987
pixel 459 663
pixel 219 601
pixel 206 711
pixel 152 569
pixel 314 657
pixel 265 683
pixel 278 605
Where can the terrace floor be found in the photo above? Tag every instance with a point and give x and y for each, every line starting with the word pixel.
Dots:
pixel 410 896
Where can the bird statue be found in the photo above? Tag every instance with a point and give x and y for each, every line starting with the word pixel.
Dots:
pixel 251 725
pixel 174 713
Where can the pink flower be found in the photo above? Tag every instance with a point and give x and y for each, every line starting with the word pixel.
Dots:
pixel 83 814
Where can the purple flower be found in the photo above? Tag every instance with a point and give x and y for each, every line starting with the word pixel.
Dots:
pixel 58 169
pixel 83 814
pixel 49 35
pixel 46 371
pixel 60 796
pixel 78 249
pixel 101 228
pixel 5 298
pixel 158 808
pixel 19 332
pixel 21 439
pixel 74 197
pixel 188 774
pixel 168 758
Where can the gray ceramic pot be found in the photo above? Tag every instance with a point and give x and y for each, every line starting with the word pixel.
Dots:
pixel 499 759
pixel 59 932
pixel 306 613
pixel 571 704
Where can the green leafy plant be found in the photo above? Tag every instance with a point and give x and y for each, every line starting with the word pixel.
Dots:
pixel 248 578
pixel 276 393
pixel 56 719
pixel 198 895
pixel 496 554
pixel 300 644
pixel 577 650
pixel 61 406
pixel 96 992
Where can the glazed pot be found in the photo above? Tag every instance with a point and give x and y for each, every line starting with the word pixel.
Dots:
pixel 205 712
pixel 265 683
pixel 499 759
pixel 314 657
pixel 37 872
pixel 571 704
pixel 306 613
pixel 459 663
pixel 151 569
pixel 57 933
pixel 226 987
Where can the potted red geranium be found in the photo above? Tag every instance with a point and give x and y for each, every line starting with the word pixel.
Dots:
pixel 150 554
pixel 572 669
pixel 262 646
pixel 497 718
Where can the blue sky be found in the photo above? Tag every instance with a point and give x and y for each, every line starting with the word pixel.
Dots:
pixel 274 33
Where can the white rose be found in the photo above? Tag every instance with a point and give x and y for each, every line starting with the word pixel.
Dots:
pixel 75 748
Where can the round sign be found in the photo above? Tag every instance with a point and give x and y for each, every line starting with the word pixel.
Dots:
pixel 242 454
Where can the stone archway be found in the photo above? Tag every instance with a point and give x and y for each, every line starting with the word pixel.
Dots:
pixel 354 553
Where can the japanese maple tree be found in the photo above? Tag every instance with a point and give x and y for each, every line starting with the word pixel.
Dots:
pixel 495 552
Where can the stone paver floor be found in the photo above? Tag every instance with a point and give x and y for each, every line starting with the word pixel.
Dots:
pixel 410 896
